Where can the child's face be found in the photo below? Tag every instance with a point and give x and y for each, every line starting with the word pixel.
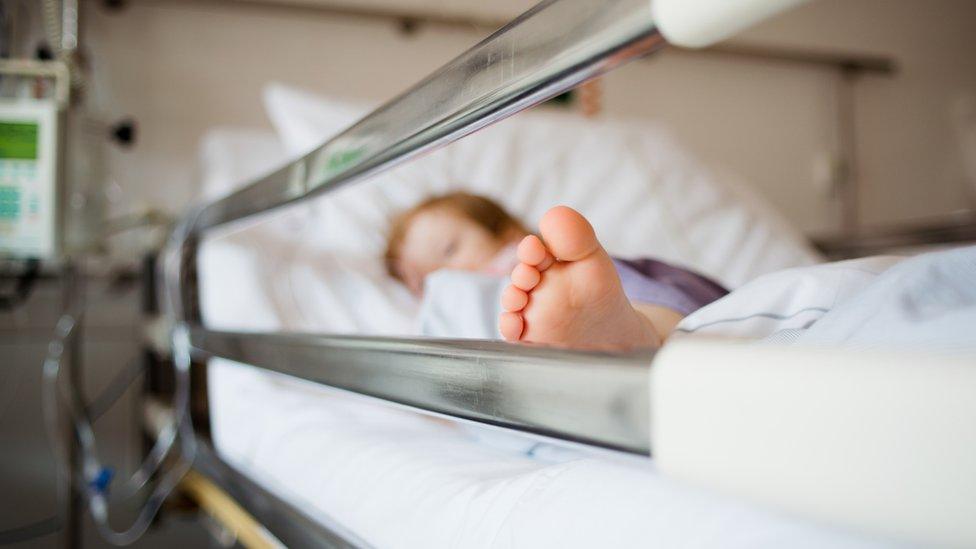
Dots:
pixel 439 238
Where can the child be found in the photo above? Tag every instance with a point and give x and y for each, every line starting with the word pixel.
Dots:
pixel 565 289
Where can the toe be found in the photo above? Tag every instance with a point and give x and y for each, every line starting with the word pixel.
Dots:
pixel 514 299
pixel 525 277
pixel 532 251
pixel 510 325
pixel 567 234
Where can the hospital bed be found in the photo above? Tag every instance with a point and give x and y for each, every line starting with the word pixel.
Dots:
pixel 785 450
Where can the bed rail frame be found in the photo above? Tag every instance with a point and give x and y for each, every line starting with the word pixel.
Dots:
pixel 591 398
pixel 598 399
pixel 551 48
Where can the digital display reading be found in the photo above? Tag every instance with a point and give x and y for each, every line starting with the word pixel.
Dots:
pixel 18 141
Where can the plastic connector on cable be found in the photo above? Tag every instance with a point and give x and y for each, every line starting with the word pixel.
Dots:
pixel 102 480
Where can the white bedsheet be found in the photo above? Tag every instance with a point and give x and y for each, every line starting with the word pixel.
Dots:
pixel 923 302
pixel 398 479
pixel 778 306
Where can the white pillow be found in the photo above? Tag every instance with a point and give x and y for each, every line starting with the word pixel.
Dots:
pixel 643 194
pixel 231 157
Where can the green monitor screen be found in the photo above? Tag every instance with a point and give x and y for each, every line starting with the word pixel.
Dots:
pixel 18 141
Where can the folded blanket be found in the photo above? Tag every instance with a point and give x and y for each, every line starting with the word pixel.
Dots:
pixel 927 301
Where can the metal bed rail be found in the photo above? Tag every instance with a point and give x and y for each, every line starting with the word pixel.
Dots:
pixel 553 47
pixel 953 230
pixel 591 398
pixel 597 399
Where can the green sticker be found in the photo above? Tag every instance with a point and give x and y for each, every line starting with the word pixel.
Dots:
pixel 341 160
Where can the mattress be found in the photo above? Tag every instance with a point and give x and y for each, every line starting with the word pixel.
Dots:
pixel 400 479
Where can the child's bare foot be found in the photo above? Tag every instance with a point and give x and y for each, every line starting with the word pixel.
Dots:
pixel 566 292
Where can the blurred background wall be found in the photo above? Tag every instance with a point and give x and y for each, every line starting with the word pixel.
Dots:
pixel 180 67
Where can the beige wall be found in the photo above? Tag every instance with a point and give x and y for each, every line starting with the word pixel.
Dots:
pixel 181 67
pixel 774 124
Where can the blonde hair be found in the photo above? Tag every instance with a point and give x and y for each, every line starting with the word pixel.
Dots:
pixel 485 212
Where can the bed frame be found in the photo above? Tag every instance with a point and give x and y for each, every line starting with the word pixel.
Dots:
pixel 548 50
pixel 595 399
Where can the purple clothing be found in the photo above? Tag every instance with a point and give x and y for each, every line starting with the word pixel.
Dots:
pixel 657 283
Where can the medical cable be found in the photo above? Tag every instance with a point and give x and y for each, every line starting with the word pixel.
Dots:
pixel 115 388
pixel 97 478
pixel 81 419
